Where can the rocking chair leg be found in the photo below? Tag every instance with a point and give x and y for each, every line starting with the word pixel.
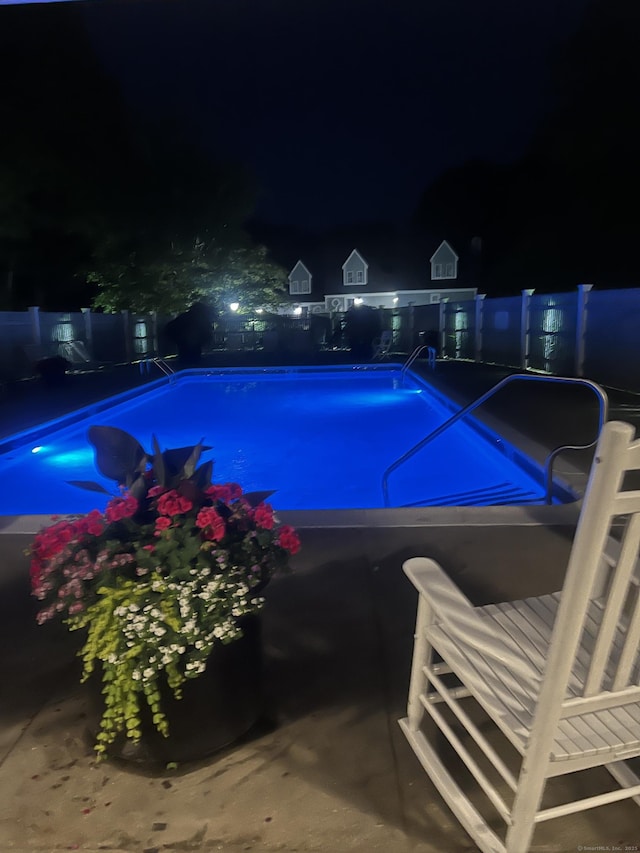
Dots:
pixel 625 776
pixel 422 655
pixel 526 803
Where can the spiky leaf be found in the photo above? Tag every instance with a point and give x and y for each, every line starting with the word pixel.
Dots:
pixel 89 485
pixel 118 455
pixel 204 475
pixel 255 498
pixel 158 464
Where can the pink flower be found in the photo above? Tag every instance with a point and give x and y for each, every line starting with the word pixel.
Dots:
pixel 119 508
pixel 288 539
pixel 211 523
pixel 224 492
pixel 162 523
pixel 173 503
pixel 156 490
pixel 263 516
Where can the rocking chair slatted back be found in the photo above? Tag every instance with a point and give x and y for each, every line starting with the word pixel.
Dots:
pixel 611 583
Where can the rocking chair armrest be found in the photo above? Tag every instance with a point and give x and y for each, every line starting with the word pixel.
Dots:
pixel 457 615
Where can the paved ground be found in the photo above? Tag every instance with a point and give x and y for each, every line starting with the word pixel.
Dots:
pixel 331 772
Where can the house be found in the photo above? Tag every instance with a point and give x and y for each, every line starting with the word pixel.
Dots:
pixel 337 278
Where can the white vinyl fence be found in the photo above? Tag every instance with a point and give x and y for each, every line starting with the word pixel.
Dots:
pixel 586 332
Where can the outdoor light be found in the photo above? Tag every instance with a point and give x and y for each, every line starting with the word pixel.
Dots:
pixel 358 300
pixel 234 306
pixel 297 310
pixel 36 449
pixel 395 299
pixel 259 310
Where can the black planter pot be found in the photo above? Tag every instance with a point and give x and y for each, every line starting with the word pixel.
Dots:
pixel 216 709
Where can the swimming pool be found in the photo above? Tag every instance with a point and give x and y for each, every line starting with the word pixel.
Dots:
pixel 322 439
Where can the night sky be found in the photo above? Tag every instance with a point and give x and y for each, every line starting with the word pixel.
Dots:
pixel 345 110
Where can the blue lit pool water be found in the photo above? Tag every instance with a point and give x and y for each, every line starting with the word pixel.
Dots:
pixel 322 440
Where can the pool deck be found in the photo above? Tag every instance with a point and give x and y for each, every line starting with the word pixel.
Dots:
pixel 329 770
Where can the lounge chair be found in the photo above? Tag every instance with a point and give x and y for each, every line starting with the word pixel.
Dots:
pixel 382 345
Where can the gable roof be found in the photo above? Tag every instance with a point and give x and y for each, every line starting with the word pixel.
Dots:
pixel 355 252
pixel 443 247
pixel 303 266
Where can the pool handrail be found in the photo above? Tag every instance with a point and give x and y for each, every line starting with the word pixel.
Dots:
pixel 600 393
pixel 416 353
pixel 160 363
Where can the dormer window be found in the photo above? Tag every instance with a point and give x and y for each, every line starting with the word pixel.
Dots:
pixel 354 269
pixel 299 280
pixel 444 262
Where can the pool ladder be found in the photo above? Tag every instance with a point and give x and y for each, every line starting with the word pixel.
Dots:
pixel 160 363
pixel 523 377
pixel 431 357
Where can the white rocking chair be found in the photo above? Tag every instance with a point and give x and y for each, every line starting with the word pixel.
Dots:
pixel 558 674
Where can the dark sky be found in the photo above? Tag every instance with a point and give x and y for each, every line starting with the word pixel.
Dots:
pixel 345 110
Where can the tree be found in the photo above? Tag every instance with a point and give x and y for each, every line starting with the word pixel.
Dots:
pixel 207 270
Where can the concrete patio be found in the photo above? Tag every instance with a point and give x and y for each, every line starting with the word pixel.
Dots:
pixel 328 769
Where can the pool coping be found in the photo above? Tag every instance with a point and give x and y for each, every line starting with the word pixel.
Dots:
pixel 391 517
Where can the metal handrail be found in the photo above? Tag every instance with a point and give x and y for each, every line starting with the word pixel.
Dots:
pixel 416 353
pixel 565 380
pixel 160 363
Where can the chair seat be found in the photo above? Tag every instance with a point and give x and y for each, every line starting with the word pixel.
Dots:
pixel 510 699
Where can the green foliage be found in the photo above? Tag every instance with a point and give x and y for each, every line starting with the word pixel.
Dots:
pixel 175 278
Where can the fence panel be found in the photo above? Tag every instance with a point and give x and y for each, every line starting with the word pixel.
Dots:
pixel 64 334
pixel 460 329
pixel 16 337
pixel 552 338
pixel 612 338
pixel 426 323
pixel 501 330
pixel 108 333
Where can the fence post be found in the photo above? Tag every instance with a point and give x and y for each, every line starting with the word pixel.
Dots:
pixel 442 330
pixel 126 322
pixel 581 327
pixel 477 348
pixel 88 330
pixel 524 327
pixel 34 315
pixel 412 327
pixel 154 333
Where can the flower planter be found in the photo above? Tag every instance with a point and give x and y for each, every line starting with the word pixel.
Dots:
pixel 216 709
pixel 158 581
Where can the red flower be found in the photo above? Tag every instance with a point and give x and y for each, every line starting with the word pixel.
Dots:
pixel 263 516
pixel 224 492
pixel 173 503
pixel 211 523
pixel 288 539
pixel 119 508
pixel 162 523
